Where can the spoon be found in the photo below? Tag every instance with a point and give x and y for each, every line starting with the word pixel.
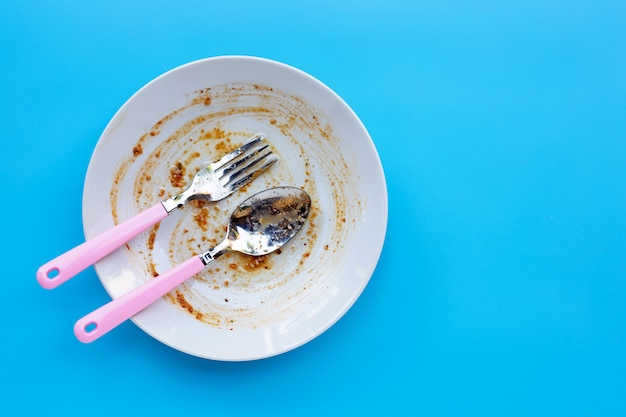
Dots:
pixel 258 226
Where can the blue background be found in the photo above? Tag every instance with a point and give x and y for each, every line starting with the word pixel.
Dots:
pixel 501 289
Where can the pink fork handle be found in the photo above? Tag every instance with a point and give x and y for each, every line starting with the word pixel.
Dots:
pixel 115 312
pixel 65 266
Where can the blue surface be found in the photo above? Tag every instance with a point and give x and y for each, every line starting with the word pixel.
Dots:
pixel 501 289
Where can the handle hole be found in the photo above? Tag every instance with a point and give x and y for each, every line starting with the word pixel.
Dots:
pixel 53 273
pixel 91 327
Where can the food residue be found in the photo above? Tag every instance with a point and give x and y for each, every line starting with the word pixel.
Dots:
pixel 245 288
pixel 177 175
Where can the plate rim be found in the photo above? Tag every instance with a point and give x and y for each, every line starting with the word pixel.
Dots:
pixel 382 220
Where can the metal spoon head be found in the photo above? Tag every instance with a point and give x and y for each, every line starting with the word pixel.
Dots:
pixel 268 220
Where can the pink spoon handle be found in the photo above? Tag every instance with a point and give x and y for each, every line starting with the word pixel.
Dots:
pixel 65 266
pixel 115 312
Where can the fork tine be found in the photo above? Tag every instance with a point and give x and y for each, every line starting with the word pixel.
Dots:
pixel 241 170
pixel 241 162
pixel 244 165
pixel 256 139
pixel 234 182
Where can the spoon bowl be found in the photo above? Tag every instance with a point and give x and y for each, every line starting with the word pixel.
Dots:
pixel 258 226
pixel 265 222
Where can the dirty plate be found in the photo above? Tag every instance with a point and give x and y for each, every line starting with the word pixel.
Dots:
pixel 241 308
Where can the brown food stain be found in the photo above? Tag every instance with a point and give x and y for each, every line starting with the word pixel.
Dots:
pixel 203 138
pixel 257 262
pixel 201 219
pixel 152 236
pixel 177 175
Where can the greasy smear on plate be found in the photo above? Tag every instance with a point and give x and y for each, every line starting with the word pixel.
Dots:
pixel 238 290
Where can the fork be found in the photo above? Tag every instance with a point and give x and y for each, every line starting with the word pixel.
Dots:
pixel 213 182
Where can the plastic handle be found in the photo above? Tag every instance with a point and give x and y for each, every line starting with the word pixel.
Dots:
pixel 64 267
pixel 115 312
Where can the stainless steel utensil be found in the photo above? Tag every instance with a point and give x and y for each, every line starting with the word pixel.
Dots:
pixel 212 183
pixel 258 226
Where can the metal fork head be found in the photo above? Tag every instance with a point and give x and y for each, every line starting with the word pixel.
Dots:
pixel 223 177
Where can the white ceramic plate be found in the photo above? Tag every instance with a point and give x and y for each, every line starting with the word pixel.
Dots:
pixel 240 308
